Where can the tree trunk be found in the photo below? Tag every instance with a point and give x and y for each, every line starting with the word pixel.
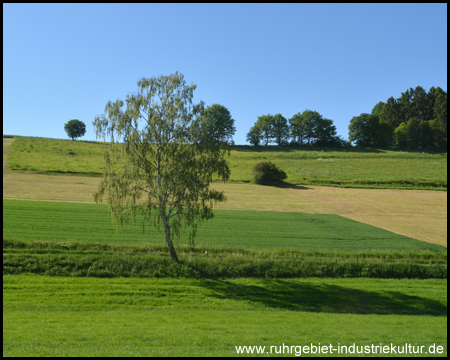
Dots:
pixel 169 242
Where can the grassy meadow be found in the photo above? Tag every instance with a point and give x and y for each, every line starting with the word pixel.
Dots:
pixel 347 167
pixel 74 286
pixel 80 240
pixel 87 223
pixel 64 316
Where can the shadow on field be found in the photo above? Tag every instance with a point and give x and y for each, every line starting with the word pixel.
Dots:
pixel 292 186
pixel 284 294
pixel 285 185
pixel 277 148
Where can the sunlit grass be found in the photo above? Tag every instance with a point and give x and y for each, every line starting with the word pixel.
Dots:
pixel 57 316
pixel 356 167
pixel 178 316
pixel 33 220
pixel 80 240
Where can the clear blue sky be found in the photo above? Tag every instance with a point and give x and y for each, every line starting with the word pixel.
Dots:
pixel 66 61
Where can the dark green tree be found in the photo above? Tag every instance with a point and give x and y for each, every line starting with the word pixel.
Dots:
pixel 75 128
pixel 165 161
pixel 378 110
pixel 304 126
pixel 310 119
pixel 324 132
pixel 420 106
pixel 360 130
pixel 267 173
pixel 393 112
pixel 410 119
pixel 401 136
pixel 298 130
pixel 439 142
pixel 440 110
pixel 368 130
pixel 254 136
pixel 265 125
pixel 219 123
pixel 280 129
pixel 417 134
pixel 310 128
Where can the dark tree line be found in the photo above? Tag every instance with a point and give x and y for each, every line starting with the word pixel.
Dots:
pixel 306 128
pixel 417 120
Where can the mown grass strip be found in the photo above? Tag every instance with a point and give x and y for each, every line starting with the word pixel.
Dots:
pixel 317 295
pixel 64 316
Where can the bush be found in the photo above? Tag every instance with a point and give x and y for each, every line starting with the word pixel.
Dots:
pixel 266 173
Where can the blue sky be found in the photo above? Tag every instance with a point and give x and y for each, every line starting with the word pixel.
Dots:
pixel 66 61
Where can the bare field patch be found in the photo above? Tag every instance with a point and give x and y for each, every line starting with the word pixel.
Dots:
pixel 418 214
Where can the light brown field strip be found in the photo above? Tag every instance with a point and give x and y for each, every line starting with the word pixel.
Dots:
pixel 418 214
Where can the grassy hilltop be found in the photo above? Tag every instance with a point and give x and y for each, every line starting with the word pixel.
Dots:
pixel 352 167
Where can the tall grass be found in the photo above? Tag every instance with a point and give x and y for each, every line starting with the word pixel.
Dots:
pixel 96 260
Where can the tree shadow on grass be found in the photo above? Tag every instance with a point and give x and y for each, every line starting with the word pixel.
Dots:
pixel 288 295
pixel 290 148
pixel 285 185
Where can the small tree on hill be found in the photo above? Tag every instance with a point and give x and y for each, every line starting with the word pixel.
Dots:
pixel 219 123
pixel 75 128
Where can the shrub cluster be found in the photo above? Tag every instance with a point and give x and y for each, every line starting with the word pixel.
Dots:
pixel 266 173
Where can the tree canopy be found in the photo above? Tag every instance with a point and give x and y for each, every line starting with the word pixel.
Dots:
pixel 280 129
pixel 369 130
pixel 415 120
pixel 311 128
pixel 75 128
pixel 307 128
pixel 219 123
pixel 161 158
pixel 265 124
pixel 254 135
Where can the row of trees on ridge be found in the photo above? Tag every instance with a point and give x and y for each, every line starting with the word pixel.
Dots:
pixel 306 128
pixel 417 120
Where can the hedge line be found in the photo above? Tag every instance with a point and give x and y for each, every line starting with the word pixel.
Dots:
pixel 125 265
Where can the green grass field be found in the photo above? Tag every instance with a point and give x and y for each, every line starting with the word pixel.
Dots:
pixel 79 240
pixel 85 223
pixel 352 167
pixel 61 316
pixel 73 286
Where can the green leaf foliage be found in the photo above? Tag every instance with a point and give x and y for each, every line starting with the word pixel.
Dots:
pixel 266 173
pixel 165 160
pixel 219 123
pixel 417 121
pixel 75 128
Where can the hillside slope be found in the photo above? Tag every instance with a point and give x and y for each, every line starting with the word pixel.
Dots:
pixel 354 167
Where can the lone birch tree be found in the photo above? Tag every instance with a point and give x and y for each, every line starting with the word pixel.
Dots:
pixel 161 160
